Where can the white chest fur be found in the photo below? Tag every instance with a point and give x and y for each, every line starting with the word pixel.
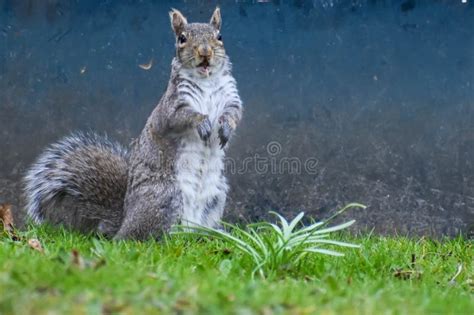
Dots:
pixel 208 95
pixel 200 165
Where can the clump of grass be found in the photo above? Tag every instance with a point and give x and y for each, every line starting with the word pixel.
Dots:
pixel 271 246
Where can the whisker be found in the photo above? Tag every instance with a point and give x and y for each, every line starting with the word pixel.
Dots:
pixel 189 59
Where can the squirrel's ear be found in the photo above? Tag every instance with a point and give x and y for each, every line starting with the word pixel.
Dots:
pixel 216 19
pixel 178 21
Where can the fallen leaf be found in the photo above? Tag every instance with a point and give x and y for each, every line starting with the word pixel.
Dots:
pixel 36 245
pixel 6 220
pixel 147 66
pixel 77 260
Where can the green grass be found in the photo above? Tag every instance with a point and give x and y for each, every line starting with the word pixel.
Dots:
pixel 387 275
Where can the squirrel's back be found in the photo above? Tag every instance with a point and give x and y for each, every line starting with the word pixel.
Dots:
pixel 81 171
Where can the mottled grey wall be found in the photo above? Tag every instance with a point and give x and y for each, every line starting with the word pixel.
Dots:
pixel 369 101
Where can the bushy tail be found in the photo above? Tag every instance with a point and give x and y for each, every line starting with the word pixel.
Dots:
pixel 87 169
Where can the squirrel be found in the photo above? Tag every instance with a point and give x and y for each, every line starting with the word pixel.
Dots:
pixel 173 172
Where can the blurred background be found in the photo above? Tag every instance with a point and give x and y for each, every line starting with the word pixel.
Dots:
pixel 345 100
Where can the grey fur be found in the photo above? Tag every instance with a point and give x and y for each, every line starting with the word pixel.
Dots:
pixel 84 171
pixel 175 168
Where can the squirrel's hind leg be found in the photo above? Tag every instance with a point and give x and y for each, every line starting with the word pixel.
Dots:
pixel 149 211
pixel 109 227
pixel 110 220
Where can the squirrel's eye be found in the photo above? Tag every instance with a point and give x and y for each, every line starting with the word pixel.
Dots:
pixel 182 39
pixel 219 37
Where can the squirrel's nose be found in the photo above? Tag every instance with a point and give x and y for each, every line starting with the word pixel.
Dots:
pixel 204 51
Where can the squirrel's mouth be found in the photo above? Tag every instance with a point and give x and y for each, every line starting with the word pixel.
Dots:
pixel 203 67
pixel 204 64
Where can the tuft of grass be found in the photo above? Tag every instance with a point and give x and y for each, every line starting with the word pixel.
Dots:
pixel 80 274
pixel 271 246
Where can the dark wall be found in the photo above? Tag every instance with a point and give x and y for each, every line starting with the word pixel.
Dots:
pixel 369 101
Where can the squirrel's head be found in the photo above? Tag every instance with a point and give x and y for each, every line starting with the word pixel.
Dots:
pixel 199 46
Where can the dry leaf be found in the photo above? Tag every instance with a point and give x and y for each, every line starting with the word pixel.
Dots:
pixel 36 245
pixel 81 263
pixel 147 66
pixel 6 218
pixel 77 260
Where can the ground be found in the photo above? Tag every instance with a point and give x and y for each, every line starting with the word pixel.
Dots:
pixel 68 273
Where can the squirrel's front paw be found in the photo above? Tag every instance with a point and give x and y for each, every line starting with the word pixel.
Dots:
pixel 204 128
pixel 225 129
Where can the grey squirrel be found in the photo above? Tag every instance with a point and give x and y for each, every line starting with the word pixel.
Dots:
pixel 172 173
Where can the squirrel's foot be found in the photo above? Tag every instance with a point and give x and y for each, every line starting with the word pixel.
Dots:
pixel 204 128
pixel 225 130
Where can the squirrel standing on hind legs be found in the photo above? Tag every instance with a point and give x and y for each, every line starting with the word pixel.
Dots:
pixel 174 170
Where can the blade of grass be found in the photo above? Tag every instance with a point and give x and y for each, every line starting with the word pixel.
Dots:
pixel 323 251
pixel 335 228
